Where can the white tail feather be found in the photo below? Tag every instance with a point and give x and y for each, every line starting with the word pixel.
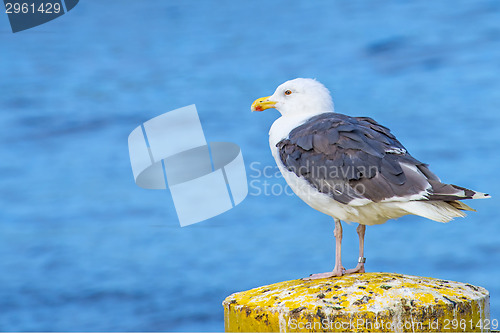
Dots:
pixel 435 210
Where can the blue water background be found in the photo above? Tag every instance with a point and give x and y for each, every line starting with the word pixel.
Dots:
pixel 83 248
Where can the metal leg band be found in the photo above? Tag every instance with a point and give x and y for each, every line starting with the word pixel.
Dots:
pixel 362 260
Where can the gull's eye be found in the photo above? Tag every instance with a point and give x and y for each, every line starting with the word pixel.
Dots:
pixel 288 92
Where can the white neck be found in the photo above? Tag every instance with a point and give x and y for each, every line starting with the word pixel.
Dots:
pixel 284 124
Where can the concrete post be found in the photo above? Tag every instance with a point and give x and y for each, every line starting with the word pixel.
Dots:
pixel 370 302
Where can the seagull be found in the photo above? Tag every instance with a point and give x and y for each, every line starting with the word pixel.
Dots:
pixel 352 168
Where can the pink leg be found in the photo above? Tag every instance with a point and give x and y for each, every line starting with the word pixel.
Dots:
pixel 338 270
pixel 360 268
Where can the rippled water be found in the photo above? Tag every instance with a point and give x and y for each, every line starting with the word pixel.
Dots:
pixel 83 248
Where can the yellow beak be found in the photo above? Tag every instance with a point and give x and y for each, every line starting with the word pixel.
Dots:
pixel 262 104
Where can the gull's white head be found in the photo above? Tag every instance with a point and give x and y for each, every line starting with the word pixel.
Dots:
pixel 297 97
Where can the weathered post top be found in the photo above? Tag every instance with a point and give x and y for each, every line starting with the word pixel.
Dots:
pixel 370 302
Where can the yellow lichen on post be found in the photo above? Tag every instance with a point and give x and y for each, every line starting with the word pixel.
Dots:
pixel 370 302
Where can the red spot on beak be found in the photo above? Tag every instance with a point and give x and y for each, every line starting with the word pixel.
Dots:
pixel 258 108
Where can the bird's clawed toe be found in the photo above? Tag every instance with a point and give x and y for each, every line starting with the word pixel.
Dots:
pixel 335 272
pixel 321 276
pixel 360 268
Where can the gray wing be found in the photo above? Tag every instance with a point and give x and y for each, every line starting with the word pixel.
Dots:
pixel 352 158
